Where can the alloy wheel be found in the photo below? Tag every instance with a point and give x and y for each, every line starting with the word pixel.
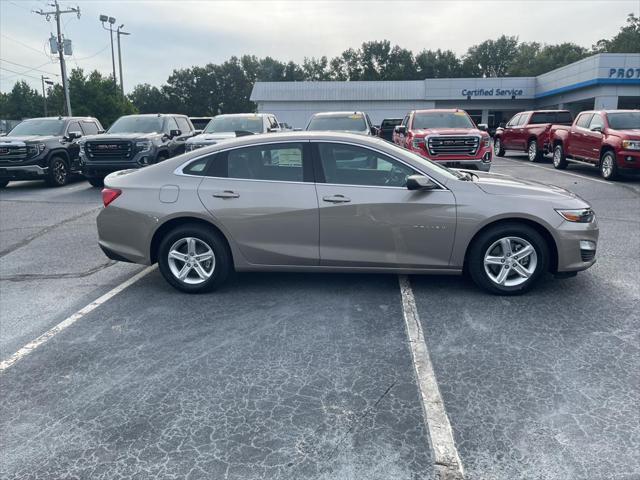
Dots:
pixel 533 151
pixel 496 146
pixel 607 166
pixel 191 260
pixel 510 261
pixel 557 156
pixel 60 172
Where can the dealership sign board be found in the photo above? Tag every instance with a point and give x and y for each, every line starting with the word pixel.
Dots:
pixel 492 92
pixel 624 73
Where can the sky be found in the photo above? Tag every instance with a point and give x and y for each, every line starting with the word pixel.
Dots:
pixel 170 34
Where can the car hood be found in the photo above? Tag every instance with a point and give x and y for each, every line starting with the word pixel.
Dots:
pixel 447 131
pixel 631 133
pixel 26 138
pixel 122 136
pixel 498 184
pixel 211 137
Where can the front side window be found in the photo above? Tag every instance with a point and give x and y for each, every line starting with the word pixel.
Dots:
pixel 353 165
pixel 183 125
pixel 137 124
pixel 514 120
pixel 171 125
pixel 279 162
pixel 442 120
pixel 596 122
pixel 89 128
pixel 43 127
pixel 74 127
pixel 583 120
pixel 522 120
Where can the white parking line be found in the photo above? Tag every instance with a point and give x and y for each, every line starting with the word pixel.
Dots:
pixel 67 322
pixel 555 170
pixel 446 458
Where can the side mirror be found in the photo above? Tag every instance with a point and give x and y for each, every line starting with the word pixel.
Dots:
pixel 401 129
pixel 197 132
pixel 100 132
pixel 73 136
pixel 174 133
pixel 420 182
pixel 596 129
pixel 297 129
pixel 374 130
pixel 483 126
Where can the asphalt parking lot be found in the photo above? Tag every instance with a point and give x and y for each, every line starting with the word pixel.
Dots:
pixel 300 376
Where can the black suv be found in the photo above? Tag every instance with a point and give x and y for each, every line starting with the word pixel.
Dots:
pixel 44 148
pixel 133 141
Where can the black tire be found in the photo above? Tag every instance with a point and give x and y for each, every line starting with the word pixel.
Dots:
pixel 58 175
pixel 222 266
pixel 4 183
pixel 534 154
pixel 559 158
pixel 97 182
pixel 608 166
pixel 498 148
pixel 483 245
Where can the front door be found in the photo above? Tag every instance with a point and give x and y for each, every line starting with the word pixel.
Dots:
pixel 508 134
pixel 593 138
pixel 265 199
pixel 369 219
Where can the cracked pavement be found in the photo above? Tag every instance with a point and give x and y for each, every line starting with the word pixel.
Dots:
pixel 295 376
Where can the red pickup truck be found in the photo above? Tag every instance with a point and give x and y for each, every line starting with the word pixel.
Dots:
pixel 607 139
pixel 529 132
pixel 446 136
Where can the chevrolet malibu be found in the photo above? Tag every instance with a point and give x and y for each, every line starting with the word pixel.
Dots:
pixel 339 202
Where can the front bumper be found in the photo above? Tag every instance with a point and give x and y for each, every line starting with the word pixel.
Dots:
pixel 577 246
pixel 23 172
pixel 628 161
pixel 481 161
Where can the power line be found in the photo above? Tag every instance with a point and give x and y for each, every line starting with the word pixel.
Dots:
pixel 23 44
pixel 30 68
pixel 18 73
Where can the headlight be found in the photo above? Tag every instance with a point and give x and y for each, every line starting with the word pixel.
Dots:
pixel 81 145
pixel 486 141
pixel 582 215
pixel 144 146
pixel 418 142
pixel 35 149
pixel 631 144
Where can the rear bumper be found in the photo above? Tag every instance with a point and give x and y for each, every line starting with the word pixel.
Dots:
pixel 23 172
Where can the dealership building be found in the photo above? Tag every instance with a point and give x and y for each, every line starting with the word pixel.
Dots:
pixel 603 81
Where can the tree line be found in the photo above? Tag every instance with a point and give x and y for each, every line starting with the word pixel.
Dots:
pixel 226 87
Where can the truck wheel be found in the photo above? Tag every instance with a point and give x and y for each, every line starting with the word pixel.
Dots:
pixel 498 149
pixel 58 172
pixel 508 259
pixel 559 160
pixel 608 166
pixel 533 153
pixel 97 182
pixel 4 183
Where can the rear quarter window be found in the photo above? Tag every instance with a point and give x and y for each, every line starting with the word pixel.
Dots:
pixel 198 167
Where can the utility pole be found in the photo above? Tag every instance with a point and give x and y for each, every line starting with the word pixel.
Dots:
pixel 44 95
pixel 63 67
pixel 119 32
pixel 110 21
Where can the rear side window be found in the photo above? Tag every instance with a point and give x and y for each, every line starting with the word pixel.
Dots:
pixel 550 117
pixel 89 128
pixel 583 120
pixel 277 162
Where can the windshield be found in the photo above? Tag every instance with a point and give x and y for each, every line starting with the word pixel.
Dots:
pixel 623 120
pixel 246 123
pixel 350 123
pixel 137 125
pixel 41 127
pixel 391 122
pixel 442 120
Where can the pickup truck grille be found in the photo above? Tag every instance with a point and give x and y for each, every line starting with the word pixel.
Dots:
pixel 12 153
pixel 453 145
pixel 109 151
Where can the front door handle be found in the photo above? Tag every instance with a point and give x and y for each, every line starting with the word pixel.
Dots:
pixel 226 194
pixel 336 199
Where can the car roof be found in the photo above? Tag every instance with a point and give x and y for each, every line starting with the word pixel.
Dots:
pixel 439 110
pixel 330 114
pixel 243 115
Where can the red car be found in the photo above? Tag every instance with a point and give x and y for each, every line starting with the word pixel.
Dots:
pixel 607 139
pixel 529 132
pixel 446 136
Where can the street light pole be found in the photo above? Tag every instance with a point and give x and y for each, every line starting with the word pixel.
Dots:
pixel 119 32
pixel 111 21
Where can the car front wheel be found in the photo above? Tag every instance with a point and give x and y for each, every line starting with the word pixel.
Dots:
pixel 559 160
pixel 608 167
pixel 508 259
pixel 58 172
pixel 498 149
pixel 194 259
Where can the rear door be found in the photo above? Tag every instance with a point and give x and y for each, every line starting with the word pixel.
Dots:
pixel 265 199
pixel 368 218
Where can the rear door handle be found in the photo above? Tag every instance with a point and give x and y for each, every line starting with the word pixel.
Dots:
pixel 336 199
pixel 226 194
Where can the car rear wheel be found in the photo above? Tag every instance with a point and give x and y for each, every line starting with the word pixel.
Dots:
pixel 559 160
pixel 608 167
pixel 194 259
pixel 533 153
pixel 508 259
pixel 97 182
pixel 498 149
pixel 58 172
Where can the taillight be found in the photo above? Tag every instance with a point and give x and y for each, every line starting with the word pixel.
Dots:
pixel 109 195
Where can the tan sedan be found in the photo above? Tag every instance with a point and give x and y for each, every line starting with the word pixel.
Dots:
pixel 339 202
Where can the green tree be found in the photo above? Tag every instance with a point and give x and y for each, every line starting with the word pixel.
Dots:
pixel 21 102
pixel 626 41
pixel 491 58
pixel 316 69
pixel 438 64
pixel 148 99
